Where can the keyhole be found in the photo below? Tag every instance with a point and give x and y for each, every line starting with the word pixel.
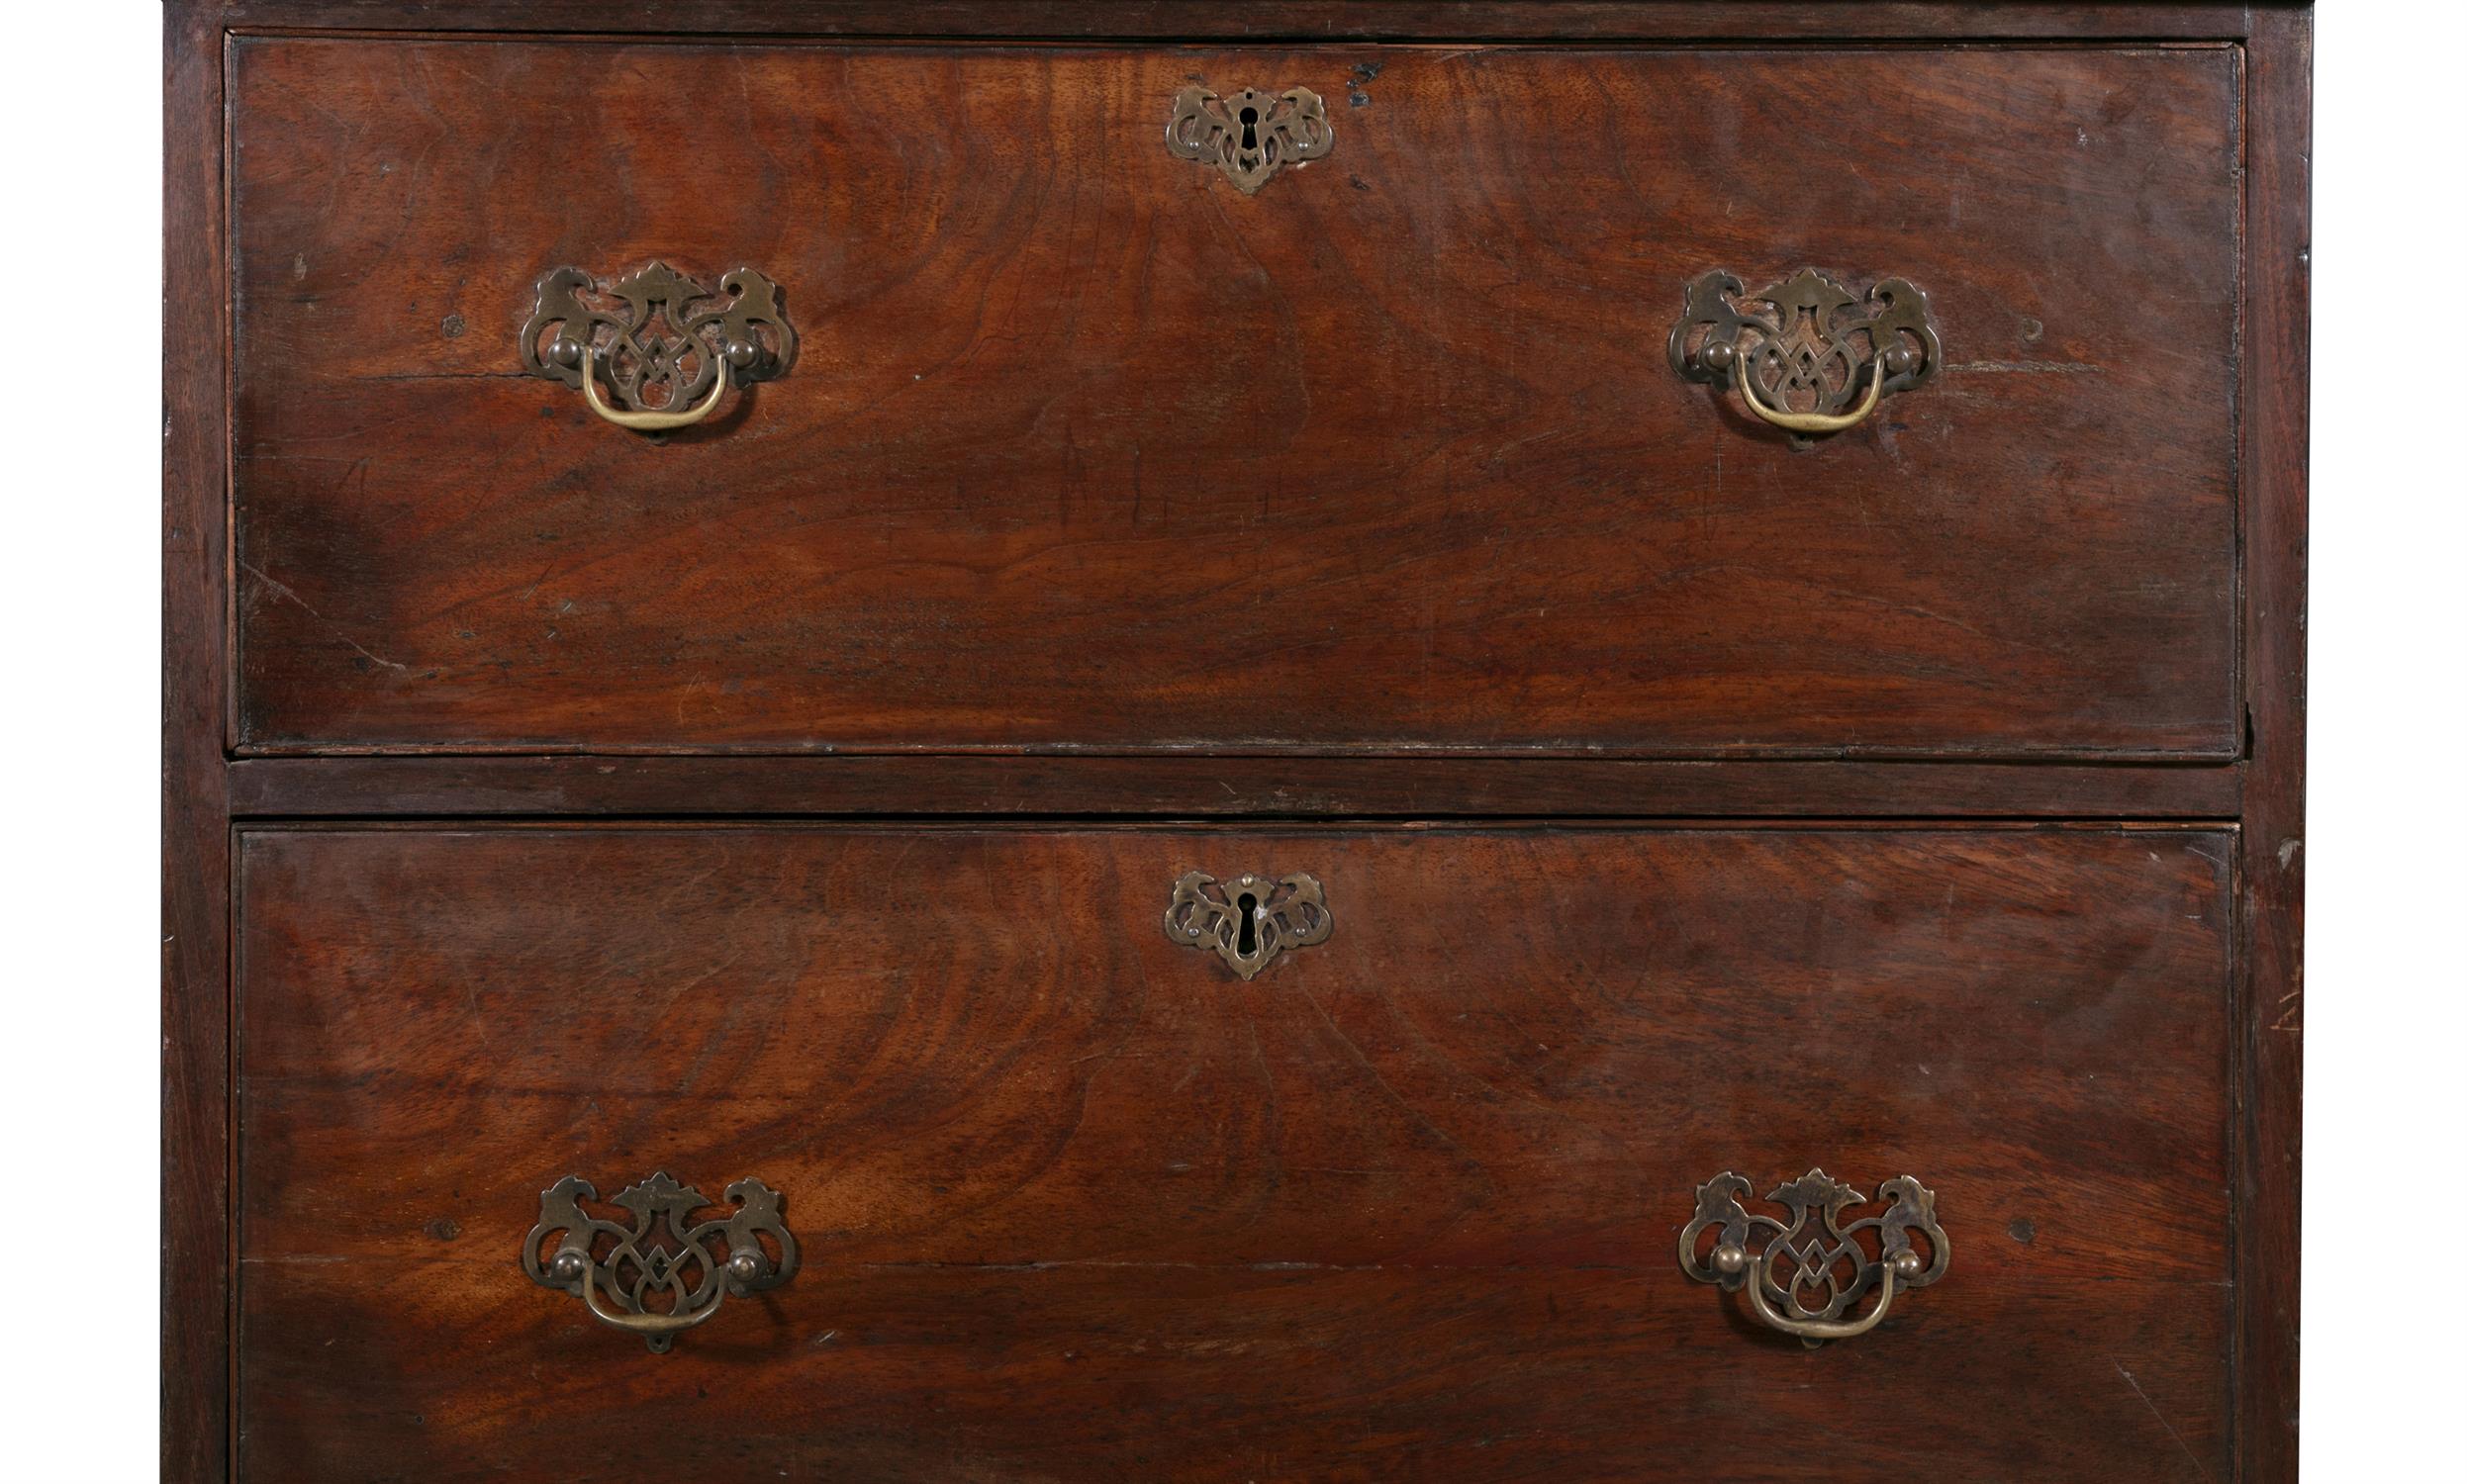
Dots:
pixel 1246 940
pixel 1250 129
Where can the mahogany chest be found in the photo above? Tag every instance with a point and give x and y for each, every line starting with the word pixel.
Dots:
pixel 1195 741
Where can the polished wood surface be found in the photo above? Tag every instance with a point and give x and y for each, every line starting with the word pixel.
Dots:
pixel 1087 451
pixel 1075 1203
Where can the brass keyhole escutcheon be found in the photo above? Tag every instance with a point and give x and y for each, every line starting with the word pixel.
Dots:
pixel 1247 134
pixel 1249 920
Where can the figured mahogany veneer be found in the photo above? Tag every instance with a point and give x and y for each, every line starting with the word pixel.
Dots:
pixel 798 796
pixel 1077 1203
pixel 1087 451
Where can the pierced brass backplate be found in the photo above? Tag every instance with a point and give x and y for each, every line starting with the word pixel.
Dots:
pixel 1801 1276
pixel 660 1272
pixel 1247 919
pixel 1805 354
pixel 1247 134
pixel 667 347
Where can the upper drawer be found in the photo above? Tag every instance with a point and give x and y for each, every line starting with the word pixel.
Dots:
pixel 1083 447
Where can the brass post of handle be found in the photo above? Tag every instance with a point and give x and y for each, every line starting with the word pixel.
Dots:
pixel 1800 1276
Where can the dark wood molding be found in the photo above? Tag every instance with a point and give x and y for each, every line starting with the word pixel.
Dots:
pixel 2277 352
pixel 195 932
pixel 1191 786
pixel 1759 21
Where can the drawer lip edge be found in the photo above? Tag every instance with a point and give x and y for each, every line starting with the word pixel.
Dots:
pixel 1215 786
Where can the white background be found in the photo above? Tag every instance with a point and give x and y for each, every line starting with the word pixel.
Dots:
pixel 2386 1223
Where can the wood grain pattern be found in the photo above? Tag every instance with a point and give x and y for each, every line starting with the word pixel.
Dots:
pixel 1085 451
pixel 1078 1204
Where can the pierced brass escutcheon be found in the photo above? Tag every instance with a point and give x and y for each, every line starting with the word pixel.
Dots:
pixel 1802 1276
pixel 667 347
pixel 1806 354
pixel 1247 919
pixel 621 1269
pixel 1247 134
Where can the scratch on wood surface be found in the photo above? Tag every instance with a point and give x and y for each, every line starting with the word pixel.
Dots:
pixel 279 591
pixel 442 376
pixel 1167 1264
pixel 2068 368
pixel 2291 1016
pixel 2163 1420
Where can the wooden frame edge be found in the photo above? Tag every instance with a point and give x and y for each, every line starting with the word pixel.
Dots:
pixel 2275 443
pixel 195 1253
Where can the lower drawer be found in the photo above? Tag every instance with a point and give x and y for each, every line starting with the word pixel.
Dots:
pixel 1073 1198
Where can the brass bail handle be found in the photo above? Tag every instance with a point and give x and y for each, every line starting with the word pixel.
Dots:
pixel 1902 1266
pixel 660 418
pixel 659 1331
pixel 659 1253
pixel 1835 1260
pixel 734 331
pixel 1798 423
pixel 1798 327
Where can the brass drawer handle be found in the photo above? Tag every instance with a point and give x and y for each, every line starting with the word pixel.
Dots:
pixel 1823 1260
pixel 1247 919
pixel 1813 349
pixel 658 422
pixel 1249 135
pixel 668 347
pixel 618 1270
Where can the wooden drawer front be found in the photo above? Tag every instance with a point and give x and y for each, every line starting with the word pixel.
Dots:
pixel 1077 1202
pixel 1085 447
